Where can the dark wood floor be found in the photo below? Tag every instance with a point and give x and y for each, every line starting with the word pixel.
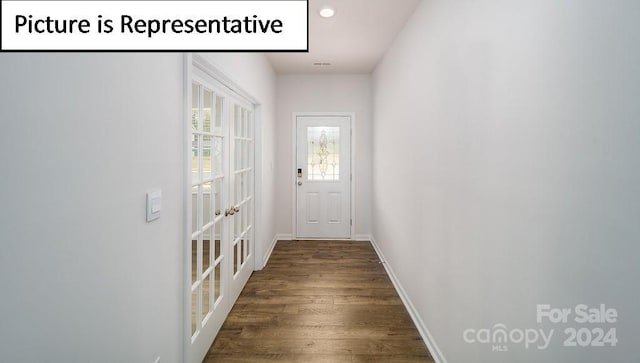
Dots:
pixel 327 301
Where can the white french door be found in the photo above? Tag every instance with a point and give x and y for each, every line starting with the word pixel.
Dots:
pixel 323 177
pixel 220 208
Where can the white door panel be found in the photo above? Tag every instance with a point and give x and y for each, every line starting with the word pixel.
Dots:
pixel 313 208
pixel 323 182
pixel 334 207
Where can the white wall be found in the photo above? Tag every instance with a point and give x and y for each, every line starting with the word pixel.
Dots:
pixel 324 93
pixel 254 74
pixel 83 277
pixel 84 136
pixel 508 134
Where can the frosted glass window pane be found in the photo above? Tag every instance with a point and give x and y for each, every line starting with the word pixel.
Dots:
pixel 323 153
pixel 247 156
pixel 243 123
pixel 242 247
pixel 194 305
pixel 215 235
pixel 238 188
pixel 195 107
pixel 195 161
pixel 218 144
pixel 196 210
pixel 237 121
pixel 206 249
pixel 207 151
pixel 238 155
pixel 237 256
pixel 217 277
pixel 194 261
pixel 217 202
pixel 218 120
pixel 207 109
pixel 207 204
pixel 206 290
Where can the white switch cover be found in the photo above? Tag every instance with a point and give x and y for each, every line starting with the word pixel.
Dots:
pixel 154 204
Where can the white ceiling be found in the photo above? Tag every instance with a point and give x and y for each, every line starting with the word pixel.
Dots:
pixel 353 41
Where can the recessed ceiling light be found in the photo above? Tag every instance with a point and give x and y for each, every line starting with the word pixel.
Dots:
pixel 327 12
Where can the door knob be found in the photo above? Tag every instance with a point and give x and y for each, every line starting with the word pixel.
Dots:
pixel 299 182
pixel 229 212
pixel 236 209
pixel 217 212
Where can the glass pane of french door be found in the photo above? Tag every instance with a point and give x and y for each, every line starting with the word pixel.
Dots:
pixel 208 187
pixel 242 188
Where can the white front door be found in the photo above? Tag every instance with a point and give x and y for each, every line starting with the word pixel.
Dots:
pixel 219 242
pixel 323 177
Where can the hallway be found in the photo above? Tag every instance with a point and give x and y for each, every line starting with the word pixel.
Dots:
pixel 491 157
pixel 319 301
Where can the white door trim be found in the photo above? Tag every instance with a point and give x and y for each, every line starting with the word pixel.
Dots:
pixel 294 165
pixel 186 215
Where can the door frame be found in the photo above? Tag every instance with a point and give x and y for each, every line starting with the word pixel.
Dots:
pixel 204 64
pixel 294 166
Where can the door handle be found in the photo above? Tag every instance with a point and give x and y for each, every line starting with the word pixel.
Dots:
pixel 229 212
pixel 217 212
pixel 299 182
pixel 236 209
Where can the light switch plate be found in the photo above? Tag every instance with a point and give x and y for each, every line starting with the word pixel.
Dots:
pixel 154 204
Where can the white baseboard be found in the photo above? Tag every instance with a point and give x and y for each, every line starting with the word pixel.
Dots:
pixel 417 320
pixel 272 245
pixel 284 237
pixel 358 237
pixel 362 237
pixel 267 255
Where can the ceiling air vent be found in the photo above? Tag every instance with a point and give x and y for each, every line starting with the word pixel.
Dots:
pixel 321 64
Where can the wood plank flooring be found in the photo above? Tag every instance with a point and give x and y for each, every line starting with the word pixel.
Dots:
pixel 319 301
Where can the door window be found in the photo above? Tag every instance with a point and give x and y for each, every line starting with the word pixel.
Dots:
pixel 323 153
